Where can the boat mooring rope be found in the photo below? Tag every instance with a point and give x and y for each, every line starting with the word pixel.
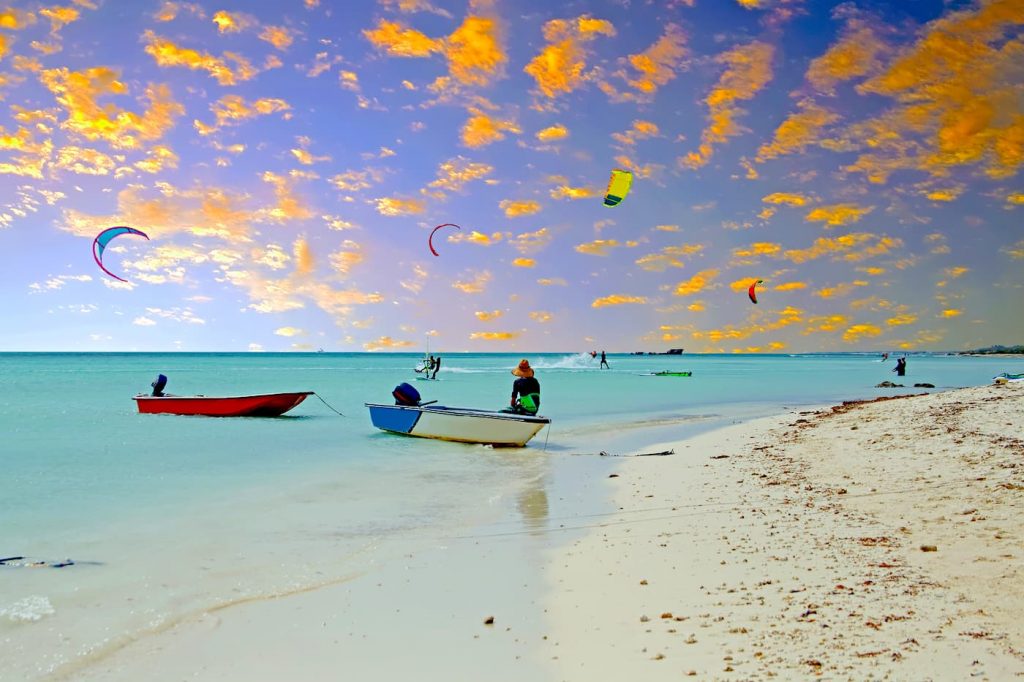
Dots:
pixel 338 412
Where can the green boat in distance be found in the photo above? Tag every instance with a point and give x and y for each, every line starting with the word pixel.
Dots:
pixel 671 374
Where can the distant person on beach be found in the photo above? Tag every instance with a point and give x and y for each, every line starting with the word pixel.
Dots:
pixel 437 367
pixel 525 390
pixel 604 361
pixel 901 367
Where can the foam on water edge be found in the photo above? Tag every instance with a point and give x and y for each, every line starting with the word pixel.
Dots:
pixel 28 609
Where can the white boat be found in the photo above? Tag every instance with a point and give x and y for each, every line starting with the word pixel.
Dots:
pixel 462 424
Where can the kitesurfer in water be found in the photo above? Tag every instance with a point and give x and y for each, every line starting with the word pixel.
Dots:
pixel 437 367
pixel 604 361
pixel 525 390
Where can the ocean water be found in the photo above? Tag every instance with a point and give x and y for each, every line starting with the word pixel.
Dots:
pixel 167 517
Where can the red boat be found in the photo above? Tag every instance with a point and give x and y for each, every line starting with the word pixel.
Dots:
pixel 270 405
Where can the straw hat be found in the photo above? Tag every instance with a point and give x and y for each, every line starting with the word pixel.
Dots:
pixel 524 369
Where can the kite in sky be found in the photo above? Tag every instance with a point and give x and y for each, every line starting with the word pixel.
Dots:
pixel 103 238
pixel 750 291
pixel 430 239
pixel 618 187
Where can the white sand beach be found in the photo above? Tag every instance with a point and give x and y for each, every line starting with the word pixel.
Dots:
pixel 868 541
pixel 875 540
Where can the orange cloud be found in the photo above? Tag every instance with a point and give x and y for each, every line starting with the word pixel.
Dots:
pixel 476 285
pixel 79 93
pixel 524 263
pixel 838 214
pixel 951 312
pixel 399 41
pixel 844 247
pixel 60 16
pixel 825 323
pixel 485 316
pixel 394 206
pixel 799 130
pixel 230 109
pixel 654 67
pixel 668 257
pixel 855 55
pixel 598 247
pixel 956 271
pixel 481 129
pixel 456 173
pixel 856 332
pixel 551 133
pixel 702 280
pixel 532 242
pixel 945 194
pixel 954 104
pixel 474 51
pixel 288 205
pixel 166 53
pixel 278 36
pixel 757 249
pixel 514 209
pixel 1016 251
pixel 15 19
pixel 555 281
pixel 559 68
pixel 541 316
pixel 564 191
pixel 228 22
pixel 386 342
pixel 785 198
pixel 898 320
pixel 158 158
pixel 493 336
pixel 790 286
pixel 749 70
pixel 85 161
pixel 841 289
pixel 617 299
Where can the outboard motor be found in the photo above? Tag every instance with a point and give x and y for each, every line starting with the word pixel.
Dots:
pixel 406 395
pixel 158 385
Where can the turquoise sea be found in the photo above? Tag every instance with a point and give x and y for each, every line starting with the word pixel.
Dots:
pixel 169 516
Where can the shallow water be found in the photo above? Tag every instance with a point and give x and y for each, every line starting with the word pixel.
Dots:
pixel 168 516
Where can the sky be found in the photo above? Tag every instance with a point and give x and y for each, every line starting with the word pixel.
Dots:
pixel 289 160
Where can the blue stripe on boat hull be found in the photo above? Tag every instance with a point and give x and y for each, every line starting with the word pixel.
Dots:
pixel 397 420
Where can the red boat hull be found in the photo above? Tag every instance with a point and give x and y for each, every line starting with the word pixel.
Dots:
pixel 270 405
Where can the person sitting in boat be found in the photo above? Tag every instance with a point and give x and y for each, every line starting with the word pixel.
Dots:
pixel 525 390
pixel 158 386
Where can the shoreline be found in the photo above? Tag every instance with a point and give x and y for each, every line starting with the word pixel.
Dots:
pixel 803 544
pixel 733 559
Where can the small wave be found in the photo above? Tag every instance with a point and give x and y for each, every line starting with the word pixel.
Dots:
pixel 578 361
pixel 28 609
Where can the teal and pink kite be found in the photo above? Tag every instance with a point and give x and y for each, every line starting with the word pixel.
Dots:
pixel 104 238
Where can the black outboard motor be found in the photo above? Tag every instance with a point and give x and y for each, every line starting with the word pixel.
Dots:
pixel 158 385
pixel 406 395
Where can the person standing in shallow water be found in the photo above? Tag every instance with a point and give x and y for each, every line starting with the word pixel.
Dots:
pixel 901 367
pixel 604 361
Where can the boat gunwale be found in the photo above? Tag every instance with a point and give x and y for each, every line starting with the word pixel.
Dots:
pixel 142 396
pixel 468 412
